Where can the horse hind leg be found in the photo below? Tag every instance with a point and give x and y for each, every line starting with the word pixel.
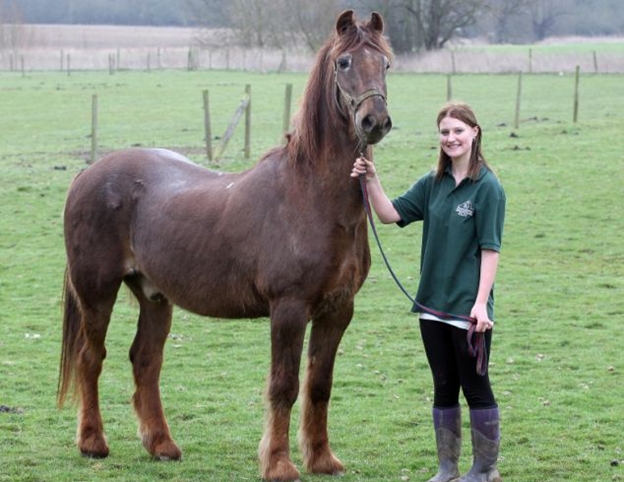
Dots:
pixel 288 324
pixel 326 333
pixel 90 352
pixel 146 355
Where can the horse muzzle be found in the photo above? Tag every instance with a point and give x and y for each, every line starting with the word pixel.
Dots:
pixel 372 120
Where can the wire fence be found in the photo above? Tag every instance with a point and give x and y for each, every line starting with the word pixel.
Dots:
pixel 271 60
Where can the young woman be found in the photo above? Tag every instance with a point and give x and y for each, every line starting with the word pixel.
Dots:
pixel 462 205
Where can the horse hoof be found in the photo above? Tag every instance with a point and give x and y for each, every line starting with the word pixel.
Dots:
pixel 327 464
pixel 284 471
pixel 94 447
pixel 167 451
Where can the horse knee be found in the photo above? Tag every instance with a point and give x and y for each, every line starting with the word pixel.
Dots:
pixel 284 390
pixel 319 389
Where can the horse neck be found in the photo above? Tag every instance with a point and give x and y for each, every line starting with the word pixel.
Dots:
pixel 323 146
pixel 327 181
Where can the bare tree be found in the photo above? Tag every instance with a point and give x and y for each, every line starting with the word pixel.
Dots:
pixel 428 24
pixel 544 15
pixel 314 21
pixel 503 12
pixel 283 23
pixel 13 34
pixel 442 20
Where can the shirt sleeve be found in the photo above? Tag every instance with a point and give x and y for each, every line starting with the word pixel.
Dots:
pixel 490 217
pixel 411 205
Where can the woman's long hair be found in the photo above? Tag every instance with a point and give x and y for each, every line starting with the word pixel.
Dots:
pixel 464 113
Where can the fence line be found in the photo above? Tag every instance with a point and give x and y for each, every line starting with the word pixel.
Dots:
pixel 244 108
pixel 455 61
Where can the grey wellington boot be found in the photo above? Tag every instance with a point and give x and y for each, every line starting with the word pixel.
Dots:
pixel 447 424
pixel 485 443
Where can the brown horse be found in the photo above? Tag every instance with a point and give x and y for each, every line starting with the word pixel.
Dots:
pixel 285 239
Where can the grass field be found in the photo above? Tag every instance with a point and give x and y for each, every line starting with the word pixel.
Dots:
pixel 557 364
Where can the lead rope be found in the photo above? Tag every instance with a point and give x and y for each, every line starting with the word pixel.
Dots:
pixel 476 349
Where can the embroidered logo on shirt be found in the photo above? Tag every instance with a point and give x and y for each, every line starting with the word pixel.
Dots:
pixel 465 209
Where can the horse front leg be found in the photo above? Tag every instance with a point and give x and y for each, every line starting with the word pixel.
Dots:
pixel 327 331
pixel 288 324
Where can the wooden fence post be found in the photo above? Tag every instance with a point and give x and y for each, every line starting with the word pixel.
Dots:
pixel 287 106
pixel 530 61
pixel 207 128
pixel 284 62
pixel 576 93
pixel 453 70
pixel 68 65
pixel 518 95
pixel 449 87
pixel 230 130
pixel 595 62
pixel 94 127
pixel 11 63
pixel 22 65
pixel 248 123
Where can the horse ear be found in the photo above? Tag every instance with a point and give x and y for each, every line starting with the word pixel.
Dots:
pixel 376 22
pixel 344 22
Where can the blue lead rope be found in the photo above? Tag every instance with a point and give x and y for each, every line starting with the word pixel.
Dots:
pixel 476 349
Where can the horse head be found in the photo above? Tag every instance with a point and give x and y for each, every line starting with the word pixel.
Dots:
pixel 361 58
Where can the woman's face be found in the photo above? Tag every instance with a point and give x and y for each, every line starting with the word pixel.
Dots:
pixel 456 138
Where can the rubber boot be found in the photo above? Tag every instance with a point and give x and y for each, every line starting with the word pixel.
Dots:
pixel 485 442
pixel 447 424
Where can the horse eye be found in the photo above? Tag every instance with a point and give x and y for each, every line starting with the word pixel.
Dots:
pixel 344 63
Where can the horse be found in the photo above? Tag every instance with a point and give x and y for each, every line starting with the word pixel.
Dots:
pixel 286 239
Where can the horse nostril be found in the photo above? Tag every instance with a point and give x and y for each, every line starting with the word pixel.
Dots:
pixel 386 125
pixel 368 123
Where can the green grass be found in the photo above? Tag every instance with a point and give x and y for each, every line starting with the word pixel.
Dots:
pixel 557 365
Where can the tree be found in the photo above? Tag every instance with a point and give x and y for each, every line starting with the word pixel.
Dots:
pixel 275 23
pixel 428 24
pixel 544 15
pixel 13 34
pixel 503 13
pixel 441 20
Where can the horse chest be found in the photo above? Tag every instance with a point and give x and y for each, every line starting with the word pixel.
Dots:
pixel 348 267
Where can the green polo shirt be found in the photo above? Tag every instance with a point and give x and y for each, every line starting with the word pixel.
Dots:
pixel 459 222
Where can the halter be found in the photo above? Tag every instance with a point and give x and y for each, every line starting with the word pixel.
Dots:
pixel 353 103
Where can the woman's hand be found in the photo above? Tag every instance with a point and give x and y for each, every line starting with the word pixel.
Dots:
pixel 364 166
pixel 479 313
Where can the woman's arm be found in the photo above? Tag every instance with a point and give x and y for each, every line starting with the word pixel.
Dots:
pixel 381 203
pixel 489 265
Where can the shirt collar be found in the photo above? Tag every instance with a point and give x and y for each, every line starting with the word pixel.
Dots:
pixel 449 170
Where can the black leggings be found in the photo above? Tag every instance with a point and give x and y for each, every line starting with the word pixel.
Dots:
pixel 452 366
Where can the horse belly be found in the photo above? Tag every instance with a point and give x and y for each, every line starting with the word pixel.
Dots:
pixel 216 293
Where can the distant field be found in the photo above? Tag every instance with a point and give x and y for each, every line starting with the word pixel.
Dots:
pixel 557 365
pixel 90 46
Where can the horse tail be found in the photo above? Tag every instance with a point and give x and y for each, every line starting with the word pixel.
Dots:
pixel 71 329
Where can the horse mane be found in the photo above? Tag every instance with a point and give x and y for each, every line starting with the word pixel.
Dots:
pixel 314 124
